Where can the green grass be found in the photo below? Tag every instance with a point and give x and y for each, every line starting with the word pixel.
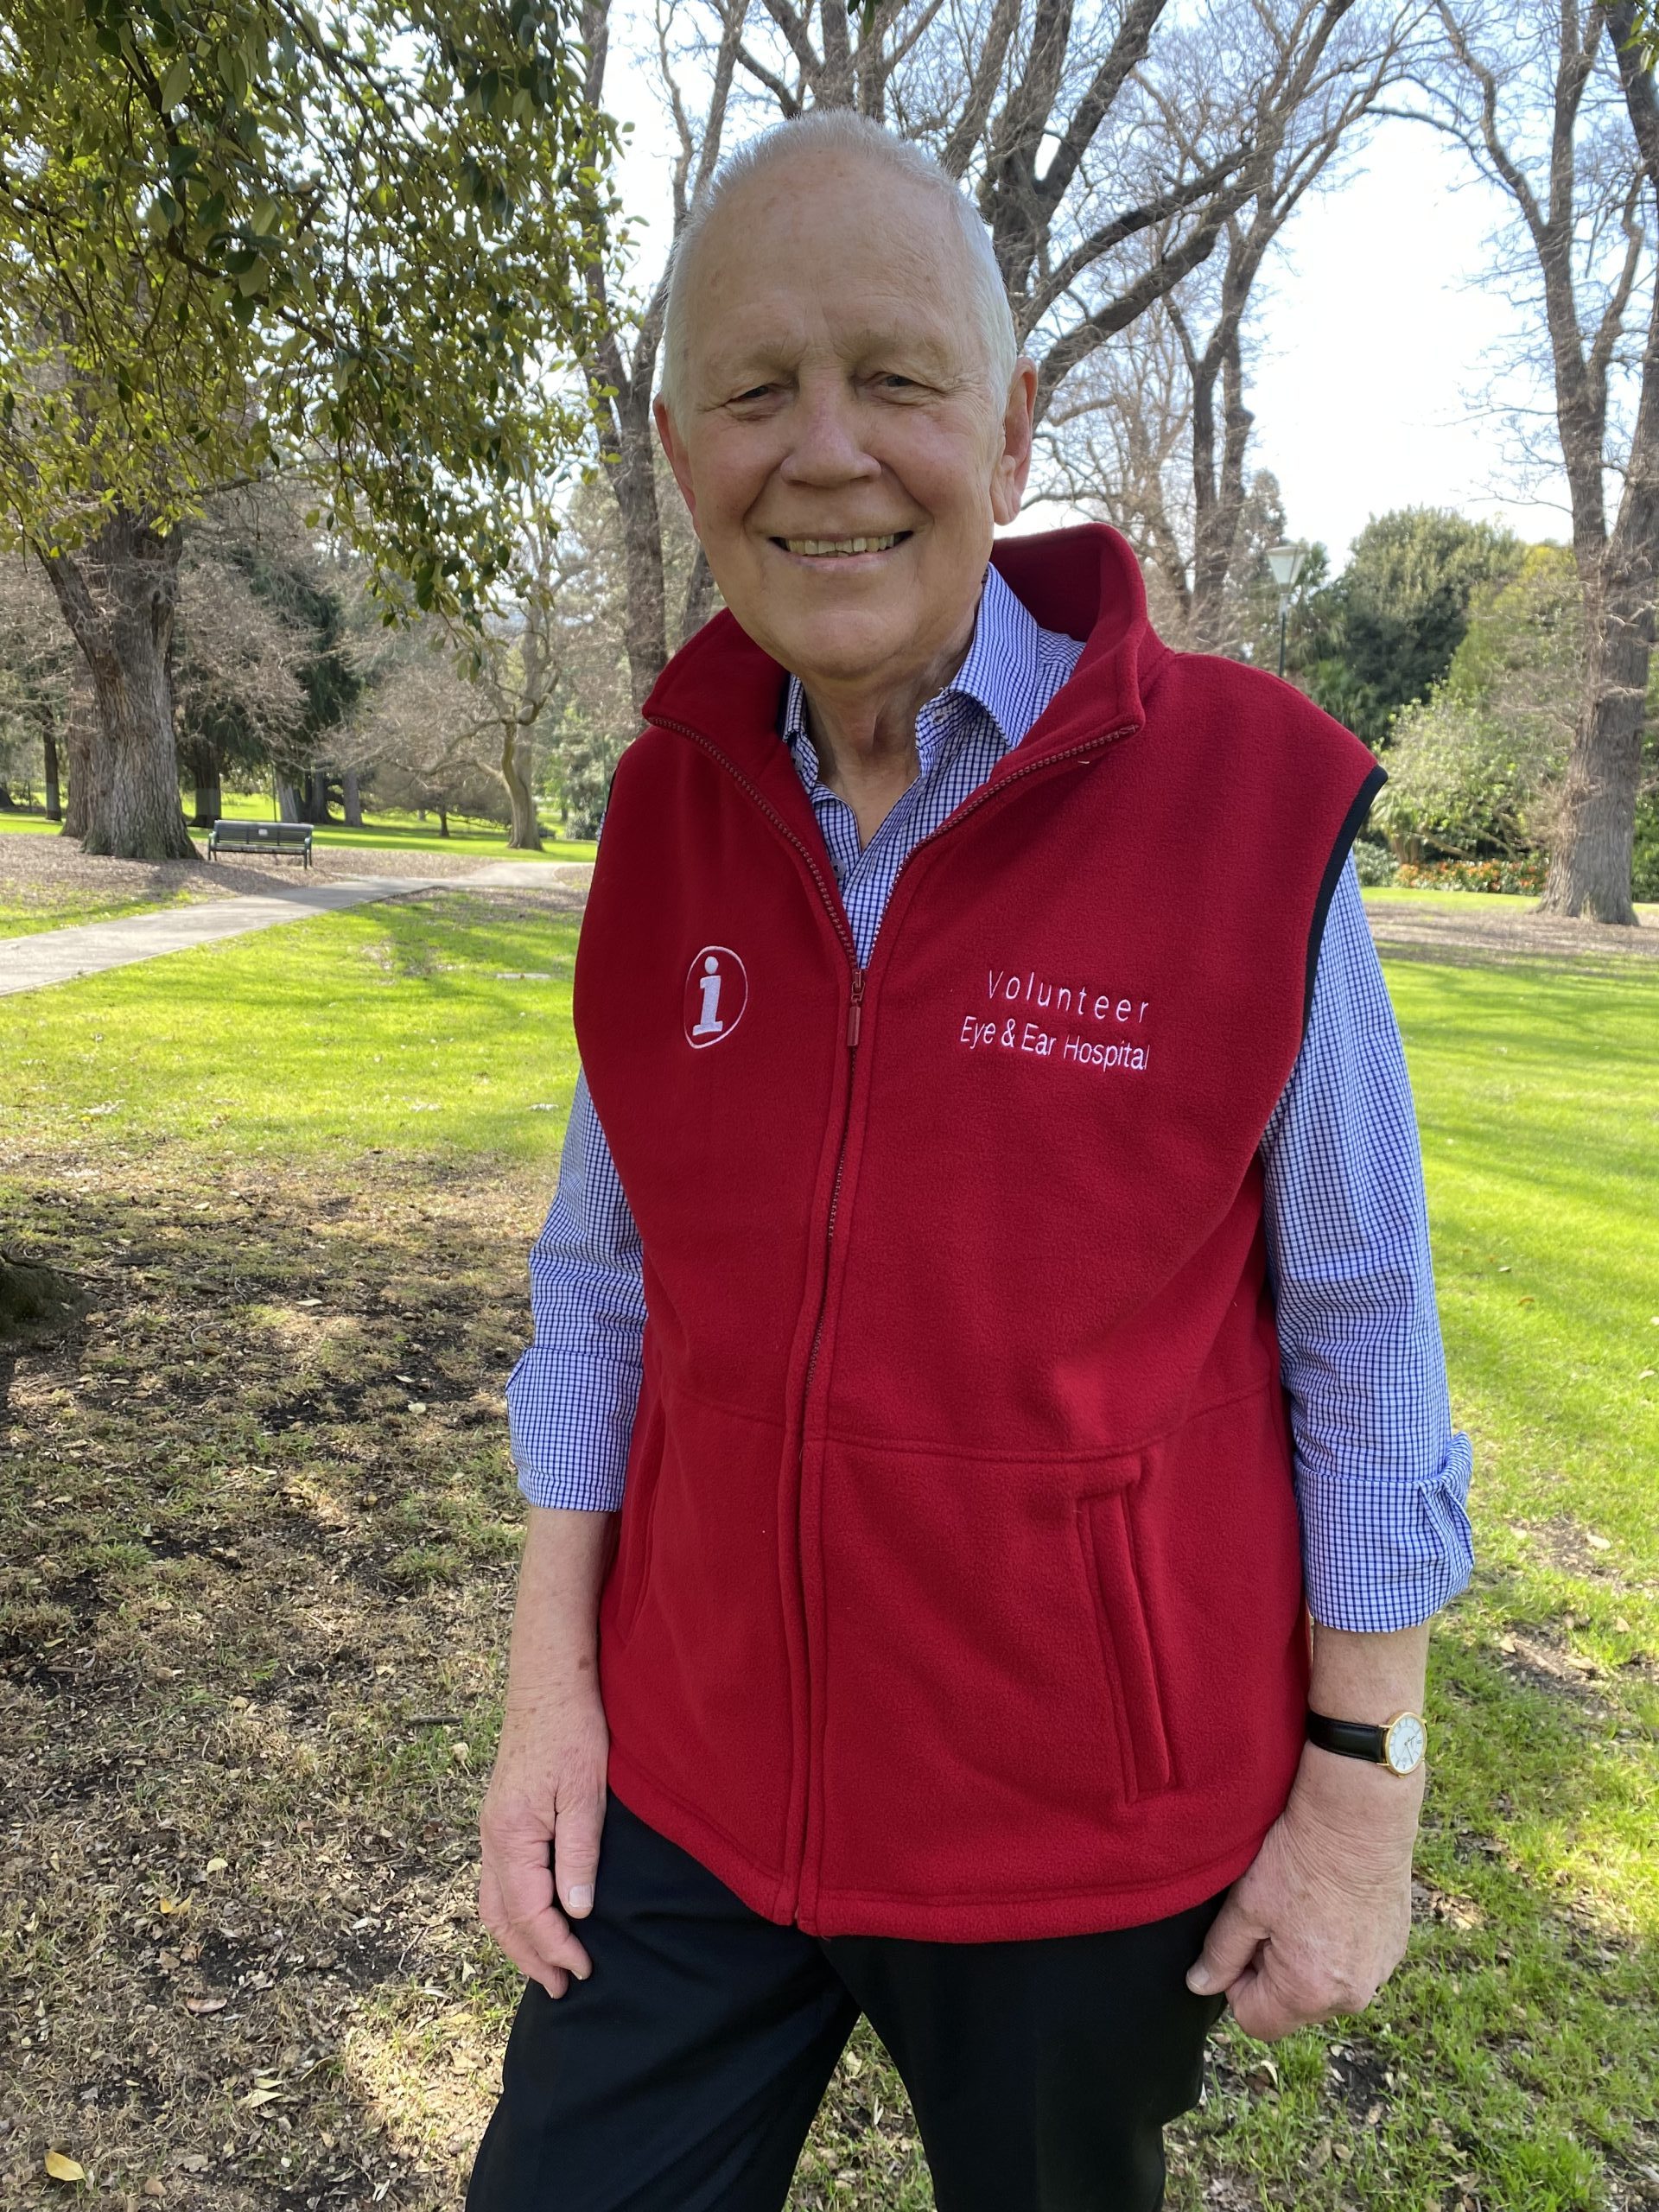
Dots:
pixel 439 1025
pixel 1524 2022
pixel 395 1162
pixel 20 918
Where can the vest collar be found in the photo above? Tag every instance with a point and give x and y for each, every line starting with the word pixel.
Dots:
pixel 1084 581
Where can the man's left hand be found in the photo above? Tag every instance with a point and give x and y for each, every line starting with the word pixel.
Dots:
pixel 1319 1920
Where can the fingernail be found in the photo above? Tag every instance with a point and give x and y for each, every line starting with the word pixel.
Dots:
pixel 580 1898
pixel 1198 1982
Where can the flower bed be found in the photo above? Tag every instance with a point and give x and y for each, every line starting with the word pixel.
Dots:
pixel 1513 875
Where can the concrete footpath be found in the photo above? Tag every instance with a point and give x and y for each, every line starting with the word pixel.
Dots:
pixel 29 963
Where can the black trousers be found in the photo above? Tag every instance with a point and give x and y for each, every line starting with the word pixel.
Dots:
pixel 684 2075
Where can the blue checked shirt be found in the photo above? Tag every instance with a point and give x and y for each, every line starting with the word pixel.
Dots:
pixel 1381 1477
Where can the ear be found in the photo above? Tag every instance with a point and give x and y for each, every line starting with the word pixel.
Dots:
pixel 678 459
pixel 1018 426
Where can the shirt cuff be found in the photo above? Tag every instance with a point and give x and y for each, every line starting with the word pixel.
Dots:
pixel 571 1425
pixel 1381 1552
pixel 579 1489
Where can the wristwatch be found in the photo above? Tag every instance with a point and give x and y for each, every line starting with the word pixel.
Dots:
pixel 1398 1745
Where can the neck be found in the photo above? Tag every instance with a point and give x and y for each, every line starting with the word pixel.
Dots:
pixel 866 737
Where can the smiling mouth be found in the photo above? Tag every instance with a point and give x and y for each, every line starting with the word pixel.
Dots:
pixel 839 549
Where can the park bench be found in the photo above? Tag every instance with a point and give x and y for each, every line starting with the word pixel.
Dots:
pixel 262 837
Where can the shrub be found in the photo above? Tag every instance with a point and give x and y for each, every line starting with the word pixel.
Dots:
pixel 1374 864
pixel 1525 874
pixel 1461 782
pixel 1644 873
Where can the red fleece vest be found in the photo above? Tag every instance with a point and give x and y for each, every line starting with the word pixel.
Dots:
pixel 958 1590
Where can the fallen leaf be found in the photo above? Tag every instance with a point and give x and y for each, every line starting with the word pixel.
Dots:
pixel 1599 1543
pixel 255 2098
pixel 217 1866
pixel 153 2186
pixel 1319 2155
pixel 173 1904
pixel 206 2003
pixel 417 1405
pixel 64 2169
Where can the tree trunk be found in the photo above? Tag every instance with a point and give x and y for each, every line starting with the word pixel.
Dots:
pixel 632 475
pixel 118 593
pixel 54 796
pixel 443 821
pixel 518 773
pixel 210 790
pixel 352 803
pixel 314 798
pixel 287 805
pixel 699 596
pixel 85 762
pixel 1594 831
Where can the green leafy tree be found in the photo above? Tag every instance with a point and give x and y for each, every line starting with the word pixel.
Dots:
pixel 1384 632
pixel 1478 768
pixel 241 235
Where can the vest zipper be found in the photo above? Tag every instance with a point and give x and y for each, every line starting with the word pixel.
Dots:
pixel 855 1022
pixel 837 915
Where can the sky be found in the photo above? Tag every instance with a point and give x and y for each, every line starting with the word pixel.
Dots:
pixel 1378 340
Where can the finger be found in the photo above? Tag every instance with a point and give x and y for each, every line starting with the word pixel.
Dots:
pixel 1259 2006
pixel 508 1939
pixel 1228 1949
pixel 575 1851
pixel 523 1882
pixel 527 1904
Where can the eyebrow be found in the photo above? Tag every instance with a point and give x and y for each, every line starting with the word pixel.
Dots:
pixel 929 354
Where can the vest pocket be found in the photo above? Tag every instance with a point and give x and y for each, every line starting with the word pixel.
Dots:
pixel 631 1568
pixel 1106 1530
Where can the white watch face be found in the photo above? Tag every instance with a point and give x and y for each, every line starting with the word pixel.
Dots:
pixel 1405 1742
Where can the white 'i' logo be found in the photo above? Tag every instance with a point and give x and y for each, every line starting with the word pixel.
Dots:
pixel 709 1023
pixel 717 996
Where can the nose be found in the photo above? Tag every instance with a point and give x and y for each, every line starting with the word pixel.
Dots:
pixel 826 448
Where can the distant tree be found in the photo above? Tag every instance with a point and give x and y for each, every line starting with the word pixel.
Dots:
pixel 1384 631
pixel 1056 120
pixel 1556 104
pixel 37 662
pixel 1154 429
pixel 351 240
pixel 243 651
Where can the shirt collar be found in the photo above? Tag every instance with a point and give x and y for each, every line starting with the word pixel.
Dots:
pixel 1000 674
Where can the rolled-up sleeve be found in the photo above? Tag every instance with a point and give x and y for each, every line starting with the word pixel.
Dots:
pixel 572 1397
pixel 1382 1476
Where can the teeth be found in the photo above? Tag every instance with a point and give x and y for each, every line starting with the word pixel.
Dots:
pixel 830 548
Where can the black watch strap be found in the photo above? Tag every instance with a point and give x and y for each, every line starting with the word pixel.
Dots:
pixel 1354 1739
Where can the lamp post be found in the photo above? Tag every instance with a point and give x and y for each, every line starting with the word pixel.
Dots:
pixel 1287 563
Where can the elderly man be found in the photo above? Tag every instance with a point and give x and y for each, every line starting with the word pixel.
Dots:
pixel 989 1274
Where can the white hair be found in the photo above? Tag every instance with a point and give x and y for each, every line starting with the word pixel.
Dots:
pixel 838 130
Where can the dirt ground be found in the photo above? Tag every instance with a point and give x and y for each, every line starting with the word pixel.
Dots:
pixel 44 872
pixel 1502 933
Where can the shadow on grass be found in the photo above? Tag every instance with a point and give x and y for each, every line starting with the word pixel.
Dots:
pixel 256 1557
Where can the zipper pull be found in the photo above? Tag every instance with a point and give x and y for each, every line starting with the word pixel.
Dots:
pixel 855 1009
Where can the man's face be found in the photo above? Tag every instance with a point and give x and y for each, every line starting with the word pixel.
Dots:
pixel 835 389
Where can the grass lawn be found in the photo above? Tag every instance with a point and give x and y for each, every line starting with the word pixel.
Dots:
pixel 19 918
pixel 392 832
pixel 256 1535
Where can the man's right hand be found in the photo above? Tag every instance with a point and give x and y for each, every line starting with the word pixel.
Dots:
pixel 540 1827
